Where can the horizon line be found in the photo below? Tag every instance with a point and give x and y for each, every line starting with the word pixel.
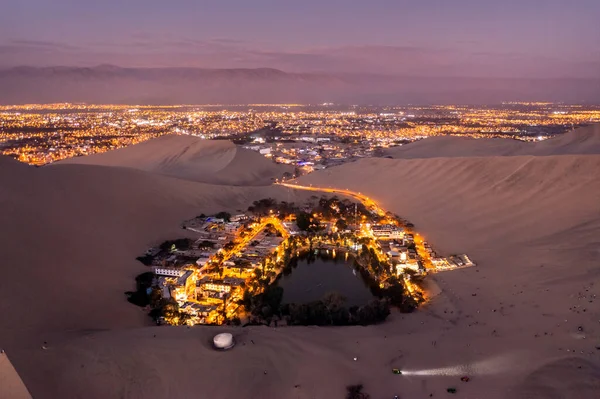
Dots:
pixel 266 68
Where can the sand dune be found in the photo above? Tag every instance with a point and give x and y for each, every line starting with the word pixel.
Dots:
pixel 569 378
pixel 69 235
pixel 532 225
pixel 70 228
pixel 11 386
pixel 579 141
pixel 192 158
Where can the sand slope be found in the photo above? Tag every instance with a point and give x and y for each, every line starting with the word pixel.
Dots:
pixel 70 235
pixel 527 315
pixel 579 141
pixel 11 386
pixel 532 224
pixel 192 158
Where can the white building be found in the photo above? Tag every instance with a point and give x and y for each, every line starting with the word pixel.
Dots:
pixel 168 271
pixel 466 260
pixel 238 218
pixel 411 264
pixel 202 261
pixel 231 227
pixel 387 231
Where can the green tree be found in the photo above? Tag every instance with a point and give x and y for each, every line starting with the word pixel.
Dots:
pixel 168 308
pixel 272 297
pixel 155 297
pixel 303 221
pixel 224 215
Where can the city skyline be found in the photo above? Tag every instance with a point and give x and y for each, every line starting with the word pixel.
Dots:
pixel 516 39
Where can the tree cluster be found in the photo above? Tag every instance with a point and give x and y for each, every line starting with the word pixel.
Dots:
pixel 180 243
pixel 226 216
pixel 262 207
pixel 329 311
pixel 322 313
pixel 140 296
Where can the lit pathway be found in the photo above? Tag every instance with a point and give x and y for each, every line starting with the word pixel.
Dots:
pixel 368 202
pixel 243 243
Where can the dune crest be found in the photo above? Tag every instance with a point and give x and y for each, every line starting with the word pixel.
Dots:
pixel 192 158
pixel 585 140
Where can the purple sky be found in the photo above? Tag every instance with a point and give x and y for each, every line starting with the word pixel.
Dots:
pixel 472 38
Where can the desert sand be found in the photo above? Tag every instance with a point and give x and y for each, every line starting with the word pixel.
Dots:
pixel 10 382
pixel 192 158
pixel 586 141
pixel 525 323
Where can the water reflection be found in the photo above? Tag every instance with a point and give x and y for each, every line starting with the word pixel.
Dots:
pixel 315 275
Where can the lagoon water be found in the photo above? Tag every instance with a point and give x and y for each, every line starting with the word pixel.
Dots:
pixel 311 280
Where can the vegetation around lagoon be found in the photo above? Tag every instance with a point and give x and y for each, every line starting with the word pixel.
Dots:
pixel 230 273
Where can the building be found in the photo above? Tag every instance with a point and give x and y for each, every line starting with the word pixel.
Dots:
pixel 185 286
pixel 197 309
pixel 440 263
pixel 168 271
pixel 208 284
pixel 466 260
pixel 200 313
pixel 238 218
pixel 233 281
pixel 411 264
pixel 292 228
pixel 202 261
pixel 231 227
pixel 387 231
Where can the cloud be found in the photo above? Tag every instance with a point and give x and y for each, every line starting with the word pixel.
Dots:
pixel 42 44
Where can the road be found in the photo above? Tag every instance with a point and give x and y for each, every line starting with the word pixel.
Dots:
pixel 368 202
pixel 243 243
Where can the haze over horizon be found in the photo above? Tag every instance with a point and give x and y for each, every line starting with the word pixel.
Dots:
pixel 464 38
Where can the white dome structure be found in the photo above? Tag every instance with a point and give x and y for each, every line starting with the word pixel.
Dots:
pixel 223 341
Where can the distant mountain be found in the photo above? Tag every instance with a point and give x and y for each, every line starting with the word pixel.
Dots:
pixel 582 141
pixel 113 84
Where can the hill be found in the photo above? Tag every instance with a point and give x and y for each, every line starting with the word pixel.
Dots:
pixel 192 158
pixel 584 140
pixel 69 235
